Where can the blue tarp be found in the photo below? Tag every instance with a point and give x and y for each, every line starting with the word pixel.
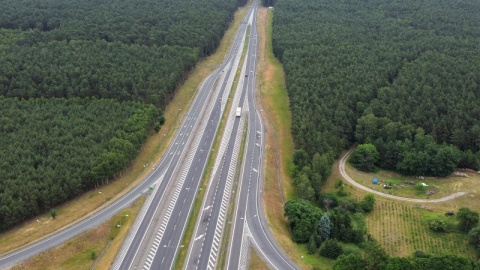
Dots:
pixel 375 181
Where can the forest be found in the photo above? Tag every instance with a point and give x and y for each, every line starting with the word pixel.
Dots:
pixel 63 147
pixel 402 79
pixel 414 63
pixel 83 83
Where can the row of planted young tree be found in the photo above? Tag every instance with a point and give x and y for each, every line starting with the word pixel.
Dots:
pixel 336 230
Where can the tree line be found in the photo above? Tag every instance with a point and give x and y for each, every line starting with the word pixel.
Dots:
pixel 395 146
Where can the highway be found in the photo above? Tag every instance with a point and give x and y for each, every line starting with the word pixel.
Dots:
pixel 206 241
pixel 249 225
pixel 155 238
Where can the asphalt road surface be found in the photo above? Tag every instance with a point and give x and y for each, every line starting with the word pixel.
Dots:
pixel 155 242
pixel 249 225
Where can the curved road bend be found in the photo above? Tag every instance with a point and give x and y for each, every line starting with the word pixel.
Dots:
pixel 155 243
pixel 249 225
pixel 341 167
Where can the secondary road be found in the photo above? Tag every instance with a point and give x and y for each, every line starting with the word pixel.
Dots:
pixel 155 239
pixel 341 167
pixel 249 224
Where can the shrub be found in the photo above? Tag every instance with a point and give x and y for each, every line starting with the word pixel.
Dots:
pixel 349 262
pixel 467 219
pixel 328 201
pixel 341 192
pixel 438 225
pixel 367 203
pixel 474 236
pixel 331 249
pixel 312 244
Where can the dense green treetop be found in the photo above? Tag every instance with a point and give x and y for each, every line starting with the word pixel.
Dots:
pixel 130 51
pixel 190 23
pixel 414 62
pixel 51 149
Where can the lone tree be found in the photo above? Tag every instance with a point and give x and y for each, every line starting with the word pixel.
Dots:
pixel 324 227
pixel 367 203
pixel 53 213
pixel 365 157
pixel 467 219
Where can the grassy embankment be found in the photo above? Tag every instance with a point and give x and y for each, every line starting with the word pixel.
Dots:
pixel 255 263
pixel 82 251
pixel 150 154
pixel 279 146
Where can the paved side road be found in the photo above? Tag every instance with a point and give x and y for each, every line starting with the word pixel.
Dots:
pixel 341 166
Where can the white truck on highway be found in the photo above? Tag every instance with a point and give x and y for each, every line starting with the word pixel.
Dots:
pixel 239 111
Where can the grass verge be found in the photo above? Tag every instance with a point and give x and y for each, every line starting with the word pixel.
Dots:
pixel 255 263
pixel 153 149
pixel 82 251
pixel 279 144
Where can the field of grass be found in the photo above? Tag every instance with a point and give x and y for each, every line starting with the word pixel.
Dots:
pixel 442 186
pixel 82 251
pixel 402 227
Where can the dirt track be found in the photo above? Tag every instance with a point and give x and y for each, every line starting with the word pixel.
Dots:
pixel 341 167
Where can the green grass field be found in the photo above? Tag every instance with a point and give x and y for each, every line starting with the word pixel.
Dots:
pixel 402 227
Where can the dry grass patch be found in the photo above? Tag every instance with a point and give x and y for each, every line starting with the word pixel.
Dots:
pixel 82 251
pixel 255 263
pixel 442 186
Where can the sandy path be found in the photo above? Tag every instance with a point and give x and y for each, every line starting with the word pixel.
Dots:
pixel 341 166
